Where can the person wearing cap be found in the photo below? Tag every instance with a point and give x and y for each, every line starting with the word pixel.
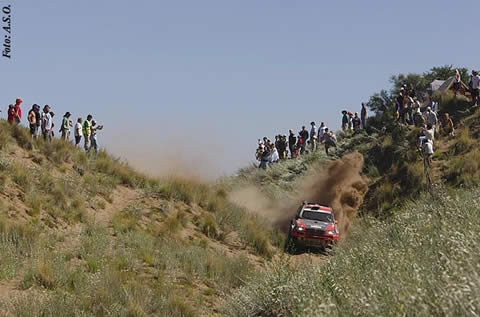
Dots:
pixel 66 124
pixel 18 110
pixel 292 141
pixel 47 123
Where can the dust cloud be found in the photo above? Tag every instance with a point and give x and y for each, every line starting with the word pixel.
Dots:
pixel 340 186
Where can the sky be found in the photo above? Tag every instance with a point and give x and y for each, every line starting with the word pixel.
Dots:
pixel 189 86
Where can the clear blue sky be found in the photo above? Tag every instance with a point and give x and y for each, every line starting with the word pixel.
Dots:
pixel 195 83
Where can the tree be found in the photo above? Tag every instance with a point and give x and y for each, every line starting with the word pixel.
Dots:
pixel 380 102
pixel 445 72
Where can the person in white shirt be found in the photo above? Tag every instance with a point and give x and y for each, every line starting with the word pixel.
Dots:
pixel 78 131
pixel 321 132
pixel 47 124
pixel 475 85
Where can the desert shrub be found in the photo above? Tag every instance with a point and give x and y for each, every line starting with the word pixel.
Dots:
pixel 35 201
pixel 126 219
pixel 463 142
pixel 21 175
pixel 58 151
pixel 465 170
pixel 208 225
pixel 23 137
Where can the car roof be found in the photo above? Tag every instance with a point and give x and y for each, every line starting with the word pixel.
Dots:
pixel 317 207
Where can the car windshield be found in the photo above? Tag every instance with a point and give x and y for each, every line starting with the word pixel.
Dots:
pixel 316 215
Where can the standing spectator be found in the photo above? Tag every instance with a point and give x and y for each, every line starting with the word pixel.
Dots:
pixel 87 132
pixel 77 131
pixel 18 110
pixel 32 121
pixel 475 85
pixel 313 136
pixel 11 114
pixel 431 118
pixel 357 123
pixel 330 140
pixel 457 82
pixel 65 128
pixel 282 147
pixel 38 119
pixel 321 132
pixel 292 141
pixel 47 124
pixel 363 116
pixel 350 120
pixel 344 120
pixel 93 136
pixel 304 137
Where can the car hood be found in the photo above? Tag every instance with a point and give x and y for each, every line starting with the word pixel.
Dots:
pixel 315 224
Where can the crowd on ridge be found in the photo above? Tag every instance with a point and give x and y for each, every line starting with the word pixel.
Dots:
pixel 411 110
pixel 40 122
pixel 306 141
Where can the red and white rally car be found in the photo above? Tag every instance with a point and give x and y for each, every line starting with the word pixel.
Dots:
pixel 314 226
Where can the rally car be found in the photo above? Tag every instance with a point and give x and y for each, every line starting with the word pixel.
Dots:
pixel 313 226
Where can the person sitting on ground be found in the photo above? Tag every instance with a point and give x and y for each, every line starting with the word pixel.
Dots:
pixel 11 114
pixel 304 135
pixel 313 136
pixel 77 131
pixel 65 128
pixel 32 121
pixel 447 125
pixel 357 123
pixel 292 141
pixel 321 132
pixel 330 140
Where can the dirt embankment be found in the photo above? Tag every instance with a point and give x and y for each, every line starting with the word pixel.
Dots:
pixel 340 186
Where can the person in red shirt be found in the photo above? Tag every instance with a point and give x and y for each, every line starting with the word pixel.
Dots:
pixel 18 110
pixel 11 114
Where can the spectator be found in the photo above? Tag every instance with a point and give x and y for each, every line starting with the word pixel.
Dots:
pixel 350 120
pixel 32 122
pixel 313 137
pixel 330 140
pixel 304 137
pixel 11 114
pixel 344 120
pixel 357 123
pixel 292 141
pixel 77 131
pixel 18 110
pixel 47 124
pixel 321 132
pixel 93 136
pixel 265 158
pixel 87 132
pixel 475 85
pixel 431 118
pixel 363 116
pixel 282 147
pixel 457 82
pixel 38 118
pixel 65 128
pixel 447 125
